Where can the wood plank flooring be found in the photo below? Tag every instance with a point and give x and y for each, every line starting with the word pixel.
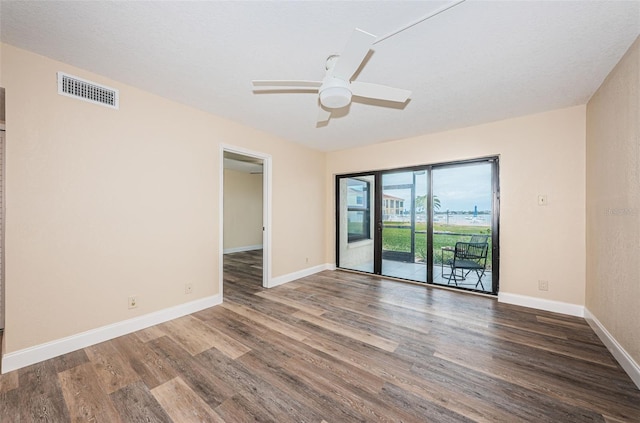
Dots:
pixel 334 347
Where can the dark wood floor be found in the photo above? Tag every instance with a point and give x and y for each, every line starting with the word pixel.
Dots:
pixel 334 347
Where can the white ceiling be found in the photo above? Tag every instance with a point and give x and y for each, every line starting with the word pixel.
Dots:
pixel 478 62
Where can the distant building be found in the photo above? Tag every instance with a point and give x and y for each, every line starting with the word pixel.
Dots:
pixel 392 206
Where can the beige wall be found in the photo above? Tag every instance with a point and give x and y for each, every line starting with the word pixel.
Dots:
pixel 104 204
pixel 242 209
pixel 539 154
pixel 613 203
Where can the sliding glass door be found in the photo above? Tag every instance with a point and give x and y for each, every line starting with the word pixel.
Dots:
pixel 435 224
pixel 463 225
pixel 404 224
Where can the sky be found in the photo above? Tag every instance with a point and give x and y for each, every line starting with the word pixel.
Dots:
pixel 459 188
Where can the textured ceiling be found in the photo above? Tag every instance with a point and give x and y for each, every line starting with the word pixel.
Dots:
pixel 478 62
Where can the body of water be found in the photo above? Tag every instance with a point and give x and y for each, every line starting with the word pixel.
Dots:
pixel 463 219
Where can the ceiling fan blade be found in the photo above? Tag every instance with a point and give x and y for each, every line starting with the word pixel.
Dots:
pixel 291 85
pixel 379 92
pixel 353 54
pixel 323 115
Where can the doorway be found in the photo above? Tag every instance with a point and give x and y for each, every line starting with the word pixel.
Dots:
pixel 245 216
pixel 2 209
pixel 2 225
pixel 435 224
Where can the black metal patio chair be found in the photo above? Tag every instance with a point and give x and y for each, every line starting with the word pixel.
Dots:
pixel 467 257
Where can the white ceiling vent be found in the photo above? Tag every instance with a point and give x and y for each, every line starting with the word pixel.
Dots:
pixel 75 87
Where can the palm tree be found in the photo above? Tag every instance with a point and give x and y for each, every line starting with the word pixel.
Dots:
pixel 421 202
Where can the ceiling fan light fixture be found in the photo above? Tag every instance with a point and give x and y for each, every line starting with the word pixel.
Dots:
pixel 335 97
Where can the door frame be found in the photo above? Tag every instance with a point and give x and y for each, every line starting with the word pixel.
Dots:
pixel 266 212
pixel 3 202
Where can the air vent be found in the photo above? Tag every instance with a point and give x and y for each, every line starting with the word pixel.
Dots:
pixel 79 88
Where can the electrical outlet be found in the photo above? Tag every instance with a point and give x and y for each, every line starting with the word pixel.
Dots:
pixel 133 302
pixel 188 288
pixel 543 285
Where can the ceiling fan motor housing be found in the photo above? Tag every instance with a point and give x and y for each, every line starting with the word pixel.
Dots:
pixel 334 93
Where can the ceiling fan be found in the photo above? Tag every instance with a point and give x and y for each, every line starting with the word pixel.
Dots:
pixel 337 88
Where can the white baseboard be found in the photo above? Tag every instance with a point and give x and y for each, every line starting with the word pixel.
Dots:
pixel 299 274
pixel 38 353
pixel 241 249
pixel 542 304
pixel 624 359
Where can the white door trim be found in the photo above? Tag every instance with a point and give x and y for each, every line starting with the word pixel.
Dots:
pixel 266 211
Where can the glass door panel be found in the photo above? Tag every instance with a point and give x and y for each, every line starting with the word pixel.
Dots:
pixel 356 223
pixel 463 225
pixel 404 225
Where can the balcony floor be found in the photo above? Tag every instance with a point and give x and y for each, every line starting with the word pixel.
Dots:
pixel 418 272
